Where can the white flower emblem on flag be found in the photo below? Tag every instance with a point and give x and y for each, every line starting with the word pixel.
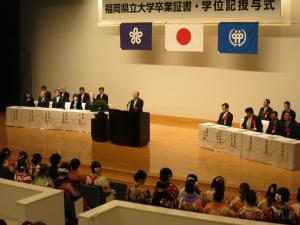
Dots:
pixel 136 35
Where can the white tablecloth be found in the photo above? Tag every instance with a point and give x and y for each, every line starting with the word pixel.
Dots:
pixel 270 149
pixel 49 118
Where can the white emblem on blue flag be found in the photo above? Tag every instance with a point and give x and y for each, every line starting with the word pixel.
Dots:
pixel 237 37
pixel 136 36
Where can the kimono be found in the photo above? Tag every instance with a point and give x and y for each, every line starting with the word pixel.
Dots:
pixel 296 208
pixel 163 198
pixel 43 181
pixel 23 177
pixel 251 213
pixel 138 193
pixel 280 213
pixel 218 209
pixel 190 202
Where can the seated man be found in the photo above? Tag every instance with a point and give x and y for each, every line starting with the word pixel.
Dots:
pixel 136 104
pixel 265 111
pixel 57 101
pixel 289 126
pixel 225 117
pixel 64 94
pixel 89 102
pixel 287 108
pixel 102 95
pixel 43 101
pixel 47 93
pixel 275 124
pixel 82 96
pixel 252 122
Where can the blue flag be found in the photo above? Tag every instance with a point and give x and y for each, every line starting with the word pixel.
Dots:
pixel 240 38
pixel 136 36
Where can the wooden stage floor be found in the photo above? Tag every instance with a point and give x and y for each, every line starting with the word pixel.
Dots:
pixel 174 144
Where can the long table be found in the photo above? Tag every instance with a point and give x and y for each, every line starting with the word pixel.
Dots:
pixel 49 118
pixel 269 149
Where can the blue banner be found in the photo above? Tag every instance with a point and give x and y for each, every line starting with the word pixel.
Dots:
pixel 136 36
pixel 239 38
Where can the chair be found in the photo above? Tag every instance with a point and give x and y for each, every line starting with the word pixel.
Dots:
pixel 92 195
pixel 120 189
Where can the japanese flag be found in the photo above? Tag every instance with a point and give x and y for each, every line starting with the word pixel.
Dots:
pixel 184 37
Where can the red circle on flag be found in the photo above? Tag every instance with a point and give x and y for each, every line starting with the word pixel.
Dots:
pixel 183 36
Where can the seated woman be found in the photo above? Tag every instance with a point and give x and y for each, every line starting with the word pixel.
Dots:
pixel 41 177
pixel 207 196
pixel 6 170
pixel 182 190
pixel 64 182
pixel 280 212
pixel 28 100
pixel 269 199
pixel 239 202
pixel 97 179
pixel 21 174
pixel 190 199
pixel 55 159
pixel 165 177
pixel 35 161
pixel 162 197
pixel 250 211
pixel 137 192
pixel 217 206
pixel 75 104
pixel 74 174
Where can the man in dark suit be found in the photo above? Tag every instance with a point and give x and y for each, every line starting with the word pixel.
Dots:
pixel 43 101
pixel 82 96
pixel 136 104
pixel 275 124
pixel 64 94
pixel 265 111
pixel 57 101
pixel 89 102
pixel 287 108
pixel 289 126
pixel 225 117
pixel 252 122
pixel 102 95
pixel 47 93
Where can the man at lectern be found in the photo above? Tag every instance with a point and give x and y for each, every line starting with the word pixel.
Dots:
pixel 136 104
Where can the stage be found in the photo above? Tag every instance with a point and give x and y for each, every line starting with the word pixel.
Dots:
pixel 174 143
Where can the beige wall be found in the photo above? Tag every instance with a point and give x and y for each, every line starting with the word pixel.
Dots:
pixel 68 48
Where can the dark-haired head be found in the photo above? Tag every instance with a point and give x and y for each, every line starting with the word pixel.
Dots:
pixel 27 223
pixel 192 176
pixel 218 194
pixel 140 176
pixel 74 164
pixel 284 194
pixel 5 154
pixel 95 166
pixel 36 159
pixel 270 195
pixel 251 198
pixel 63 171
pixel 165 175
pixel 249 110
pixel 218 182
pixel 244 188
pixel 190 186
pixel 55 159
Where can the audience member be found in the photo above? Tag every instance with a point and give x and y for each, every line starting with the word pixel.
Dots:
pixel 138 192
